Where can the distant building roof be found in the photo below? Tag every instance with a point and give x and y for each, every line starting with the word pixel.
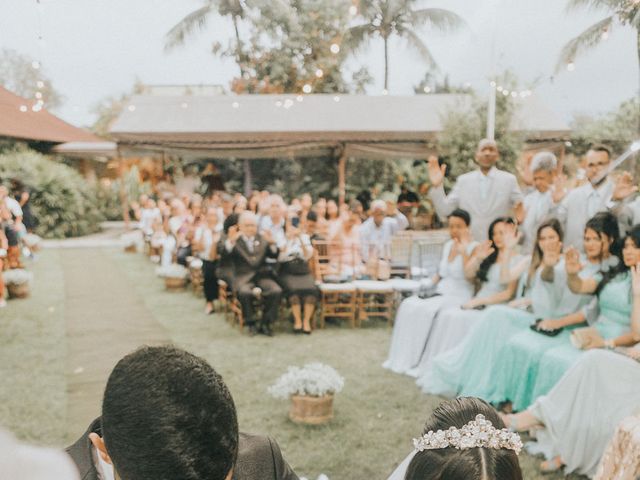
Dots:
pixel 18 120
pixel 252 125
pixel 172 90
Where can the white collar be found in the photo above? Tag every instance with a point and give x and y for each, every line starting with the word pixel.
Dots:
pixel 490 174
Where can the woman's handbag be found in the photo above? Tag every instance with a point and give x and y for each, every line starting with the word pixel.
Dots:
pixel 584 338
pixel 297 266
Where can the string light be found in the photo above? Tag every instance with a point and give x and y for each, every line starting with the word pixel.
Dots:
pixel 131 108
pixel 385 91
pixel 235 105
pixel 353 10
pixel 319 73
pixel 288 103
pixel 279 103
pixel 40 84
pixel 299 98
pixel 336 98
pixel 335 48
pixel 605 34
pixel 37 107
pixel 38 95
pixel 571 66
pixel 35 65
pixel 306 88
pixel 23 108
pixel 427 89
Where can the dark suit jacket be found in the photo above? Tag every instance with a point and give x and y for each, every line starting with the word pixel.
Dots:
pixel 259 458
pixel 247 266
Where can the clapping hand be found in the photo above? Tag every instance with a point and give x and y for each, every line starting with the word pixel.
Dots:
pixel 559 188
pixel 548 325
pixel 461 244
pixel 268 236
pixel 234 234
pixel 436 171
pixel 511 237
pixel 572 261
pixel 624 187
pixel 484 249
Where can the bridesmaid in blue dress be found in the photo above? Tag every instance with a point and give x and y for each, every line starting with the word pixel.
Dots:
pixel 468 369
pixel 524 351
pixel 614 321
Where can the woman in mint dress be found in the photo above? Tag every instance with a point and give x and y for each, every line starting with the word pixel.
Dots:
pixel 524 352
pixel 470 368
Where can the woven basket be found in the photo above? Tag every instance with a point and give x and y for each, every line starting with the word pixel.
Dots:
pixel 311 410
pixel 18 291
pixel 175 283
pixel 131 248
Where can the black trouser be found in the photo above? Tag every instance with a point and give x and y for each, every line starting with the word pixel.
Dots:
pixel 271 294
pixel 210 280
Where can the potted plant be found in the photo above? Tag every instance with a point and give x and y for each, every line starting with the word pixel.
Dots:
pixel 311 390
pixel 175 276
pixel 17 281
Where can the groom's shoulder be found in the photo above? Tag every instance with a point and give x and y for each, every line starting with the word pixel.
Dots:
pixel 259 457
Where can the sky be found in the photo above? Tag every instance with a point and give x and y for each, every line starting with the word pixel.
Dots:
pixel 93 49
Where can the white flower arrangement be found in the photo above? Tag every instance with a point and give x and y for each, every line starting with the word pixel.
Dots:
pixel 131 239
pixel 172 271
pixel 314 379
pixel 17 276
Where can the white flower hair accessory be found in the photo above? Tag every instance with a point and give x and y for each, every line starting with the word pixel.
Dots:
pixel 479 433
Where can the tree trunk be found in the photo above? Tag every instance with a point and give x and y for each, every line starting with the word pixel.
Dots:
pixel 248 178
pixel 239 58
pixel 386 63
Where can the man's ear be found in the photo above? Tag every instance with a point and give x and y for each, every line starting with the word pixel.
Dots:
pixel 99 445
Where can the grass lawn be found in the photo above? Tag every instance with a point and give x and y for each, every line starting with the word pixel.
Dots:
pixel 377 414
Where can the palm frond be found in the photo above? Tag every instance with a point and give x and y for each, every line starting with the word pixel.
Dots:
pixel 415 42
pixel 437 18
pixel 196 20
pixel 357 37
pixel 588 39
pixel 574 5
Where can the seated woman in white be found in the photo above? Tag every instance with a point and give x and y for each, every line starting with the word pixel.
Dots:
pixel 415 315
pixel 452 324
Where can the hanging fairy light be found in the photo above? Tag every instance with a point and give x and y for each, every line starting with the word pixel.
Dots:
pixel 335 48
pixel 385 91
pixel 35 65
pixel 288 103
pixel 131 108
pixel 40 84
pixel 336 99
pixel 605 34
pixel 427 89
pixel 319 73
pixel 235 105
pixel 307 88
pixel 571 66
pixel 23 108
pixel 299 98
pixel 353 10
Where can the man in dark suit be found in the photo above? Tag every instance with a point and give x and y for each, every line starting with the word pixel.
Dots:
pixel 249 253
pixel 167 415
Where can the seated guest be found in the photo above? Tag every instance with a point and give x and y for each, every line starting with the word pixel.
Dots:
pixel 577 418
pixel 377 230
pixel 4 245
pixel 296 280
pixel 248 252
pixel 538 203
pixel 13 248
pixel 333 217
pixel 452 288
pixel 149 214
pixel 311 227
pixel 275 220
pixel 206 240
pixel 225 264
pixel 347 235
pixel 167 415
pixel 488 452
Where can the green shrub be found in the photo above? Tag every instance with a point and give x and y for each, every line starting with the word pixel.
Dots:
pixel 63 202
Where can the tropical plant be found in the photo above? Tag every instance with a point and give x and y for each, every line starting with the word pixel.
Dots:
pixel 314 379
pixel 62 201
pixel 386 18
pixel 622 13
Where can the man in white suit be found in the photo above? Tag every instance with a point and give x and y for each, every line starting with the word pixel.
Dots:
pixel 576 207
pixel 486 193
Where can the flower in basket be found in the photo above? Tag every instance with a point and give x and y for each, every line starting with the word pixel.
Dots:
pixel 314 380
pixel 172 271
pixel 17 276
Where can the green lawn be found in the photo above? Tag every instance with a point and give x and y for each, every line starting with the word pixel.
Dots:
pixel 377 414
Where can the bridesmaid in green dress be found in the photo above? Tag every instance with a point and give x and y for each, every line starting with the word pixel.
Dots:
pixel 524 351
pixel 470 368
pixel 614 320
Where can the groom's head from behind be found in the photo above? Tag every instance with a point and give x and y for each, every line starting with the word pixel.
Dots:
pixel 166 415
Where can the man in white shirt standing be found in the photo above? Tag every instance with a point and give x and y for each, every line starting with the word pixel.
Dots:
pixel 576 207
pixel 486 193
pixel 377 230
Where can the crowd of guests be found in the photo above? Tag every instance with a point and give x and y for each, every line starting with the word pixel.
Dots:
pixel 536 305
pixel 16 229
pixel 262 247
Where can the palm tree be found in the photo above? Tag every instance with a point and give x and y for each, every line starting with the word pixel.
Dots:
pixel 198 19
pixel 385 18
pixel 622 13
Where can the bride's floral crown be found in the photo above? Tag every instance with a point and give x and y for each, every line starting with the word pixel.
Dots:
pixel 479 433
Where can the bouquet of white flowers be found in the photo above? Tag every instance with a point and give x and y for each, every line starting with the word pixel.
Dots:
pixel 172 271
pixel 314 379
pixel 17 276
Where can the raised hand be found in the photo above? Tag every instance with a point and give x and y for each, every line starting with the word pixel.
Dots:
pixel 511 237
pixel 572 263
pixel 624 187
pixel 484 250
pixel 559 188
pixel 436 171
pixel 551 256
pixel 234 234
pixel 268 236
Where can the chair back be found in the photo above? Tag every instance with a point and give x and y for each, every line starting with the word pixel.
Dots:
pixel 333 261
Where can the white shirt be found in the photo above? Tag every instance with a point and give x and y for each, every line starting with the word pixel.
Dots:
pixel 379 237
pixel 537 207
pixel 277 231
pixel 148 216
pixel 13 205
pixel 208 237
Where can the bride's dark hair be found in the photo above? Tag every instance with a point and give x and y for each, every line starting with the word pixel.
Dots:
pixel 470 464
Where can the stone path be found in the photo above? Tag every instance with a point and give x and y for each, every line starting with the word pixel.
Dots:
pixel 106 319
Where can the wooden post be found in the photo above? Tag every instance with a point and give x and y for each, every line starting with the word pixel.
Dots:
pixel 342 175
pixel 124 199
